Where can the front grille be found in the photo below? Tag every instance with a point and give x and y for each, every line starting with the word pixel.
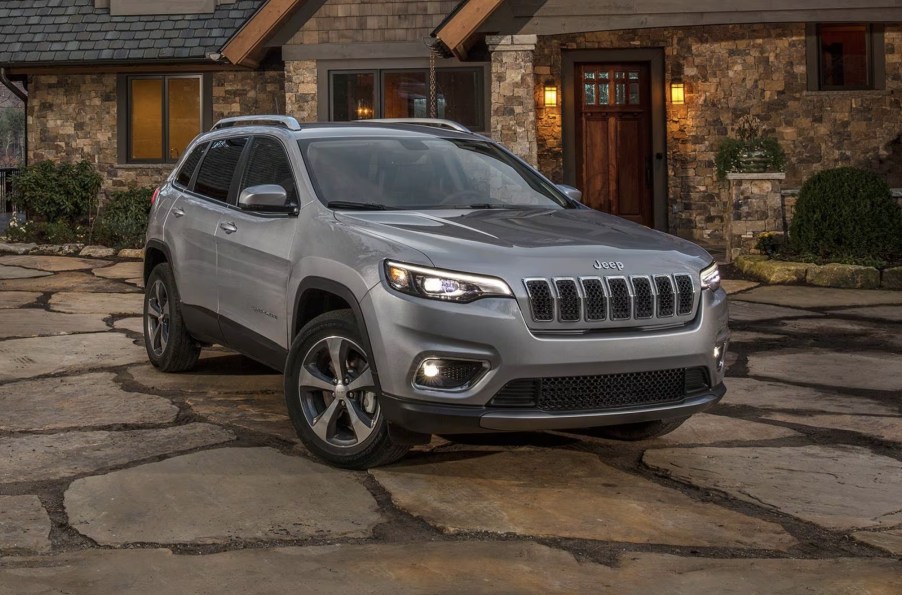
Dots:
pixel 621 301
pixel 645 299
pixel 666 301
pixel 568 300
pixel 610 391
pixel 685 294
pixel 541 301
pixel 596 301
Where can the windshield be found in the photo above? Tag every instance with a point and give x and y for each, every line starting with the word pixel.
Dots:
pixel 434 173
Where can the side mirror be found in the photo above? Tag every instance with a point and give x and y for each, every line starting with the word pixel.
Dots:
pixel 571 192
pixel 268 198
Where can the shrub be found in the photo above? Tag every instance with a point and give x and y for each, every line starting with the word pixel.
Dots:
pixel 847 215
pixel 122 222
pixel 57 193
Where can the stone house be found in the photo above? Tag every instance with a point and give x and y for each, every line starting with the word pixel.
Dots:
pixel 627 100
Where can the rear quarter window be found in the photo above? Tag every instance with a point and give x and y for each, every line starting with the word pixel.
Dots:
pixel 187 172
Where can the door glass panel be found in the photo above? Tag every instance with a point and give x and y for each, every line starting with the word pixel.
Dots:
pixel 187 171
pixel 590 94
pixel 604 89
pixel 146 120
pixel 590 74
pixel 184 114
pixel 269 165
pixel 353 96
pixel 215 176
pixel 405 95
pixel 634 93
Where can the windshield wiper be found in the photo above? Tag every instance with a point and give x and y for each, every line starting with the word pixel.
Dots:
pixel 359 206
pixel 483 205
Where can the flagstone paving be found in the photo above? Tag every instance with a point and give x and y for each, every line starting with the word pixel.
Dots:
pixel 115 477
pixel 8 272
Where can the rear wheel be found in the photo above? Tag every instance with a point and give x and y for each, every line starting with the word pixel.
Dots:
pixel 635 432
pixel 169 346
pixel 332 397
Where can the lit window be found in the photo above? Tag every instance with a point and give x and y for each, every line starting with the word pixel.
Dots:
pixel 164 116
pixel 371 94
pixel 845 57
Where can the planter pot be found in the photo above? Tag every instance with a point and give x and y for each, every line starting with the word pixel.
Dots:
pixel 753 161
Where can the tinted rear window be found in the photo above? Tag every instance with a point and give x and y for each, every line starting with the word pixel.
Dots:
pixel 218 168
pixel 187 171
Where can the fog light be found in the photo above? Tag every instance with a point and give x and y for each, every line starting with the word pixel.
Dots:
pixel 448 374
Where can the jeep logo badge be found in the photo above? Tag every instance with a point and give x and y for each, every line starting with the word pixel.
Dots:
pixel 608 266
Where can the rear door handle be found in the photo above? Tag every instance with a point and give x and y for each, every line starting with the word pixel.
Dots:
pixel 228 227
pixel 178 212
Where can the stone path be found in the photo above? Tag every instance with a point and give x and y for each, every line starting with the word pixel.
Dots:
pixel 114 474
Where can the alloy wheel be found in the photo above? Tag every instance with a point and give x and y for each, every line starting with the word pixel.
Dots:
pixel 157 319
pixel 338 392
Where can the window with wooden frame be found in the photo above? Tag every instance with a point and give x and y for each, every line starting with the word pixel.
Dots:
pixel 160 115
pixel 845 57
pixel 404 93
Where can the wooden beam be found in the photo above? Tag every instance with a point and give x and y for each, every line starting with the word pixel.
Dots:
pixel 456 33
pixel 247 47
pixel 157 67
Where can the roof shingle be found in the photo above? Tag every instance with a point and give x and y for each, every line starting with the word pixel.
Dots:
pixel 71 31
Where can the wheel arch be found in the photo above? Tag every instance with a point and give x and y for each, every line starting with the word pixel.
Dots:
pixel 155 253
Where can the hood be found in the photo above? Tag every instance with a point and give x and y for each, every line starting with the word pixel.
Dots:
pixel 515 244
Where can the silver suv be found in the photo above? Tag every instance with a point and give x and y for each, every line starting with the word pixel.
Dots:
pixel 413 278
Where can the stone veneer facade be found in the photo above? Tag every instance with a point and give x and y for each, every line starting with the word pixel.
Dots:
pixel 512 94
pixel 300 89
pixel 74 116
pixel 730 71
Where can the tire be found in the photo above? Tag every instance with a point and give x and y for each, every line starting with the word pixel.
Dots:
pixel 169 346
pixel 635 432
pixel 337 416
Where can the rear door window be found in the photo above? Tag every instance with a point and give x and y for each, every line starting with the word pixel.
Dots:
pixel 186 174
pixel 214 180
pixel 269 164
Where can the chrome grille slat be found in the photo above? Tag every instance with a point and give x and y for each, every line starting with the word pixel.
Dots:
pixel 617 298
pixel 569 301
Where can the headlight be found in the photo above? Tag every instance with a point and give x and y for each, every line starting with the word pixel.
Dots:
pixel 711 277
pixel 443 285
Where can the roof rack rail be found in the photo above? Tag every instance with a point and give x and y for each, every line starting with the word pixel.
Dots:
pixel 283 121
pixel 434 122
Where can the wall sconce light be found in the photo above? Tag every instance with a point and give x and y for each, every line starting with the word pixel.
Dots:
pixel 549 92
pixel 677 93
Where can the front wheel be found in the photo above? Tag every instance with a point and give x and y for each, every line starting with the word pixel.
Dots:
pixel 332 397
pixel 635 432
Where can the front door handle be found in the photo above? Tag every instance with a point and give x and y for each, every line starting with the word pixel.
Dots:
pixel 178 212
pixel 229 228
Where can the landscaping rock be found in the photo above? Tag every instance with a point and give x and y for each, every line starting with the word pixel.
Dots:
pixel 90 400
pixel 17 299
pixel 221 495
pixel 873 370
pixel 46 457
pixel 888 541
pixel 27 358
pixel 442 568
pixel 68 281
pixel 10 272
pixel 566 494
pixel 16 248
pixel 122 270
pixel 33 322
pixel 132 253
pixel 58 249
pixel 892 278
pixel 135 325
pixel 97 252
pixel 837 487
pixel 799 399
pixel 259 411
pixel 845 276
pixel 53 264
pixel 24 525
pixel 772 271
pixel 100 303
pixel 821 297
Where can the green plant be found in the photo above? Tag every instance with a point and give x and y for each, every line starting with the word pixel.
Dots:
pixel 770 243
pixel 122 222
pixel 732 153
pixel 57 193
pixel 847 215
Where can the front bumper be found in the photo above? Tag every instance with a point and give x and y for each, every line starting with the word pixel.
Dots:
pixel 436 418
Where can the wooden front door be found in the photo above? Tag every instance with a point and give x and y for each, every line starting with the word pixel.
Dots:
pixel 613 140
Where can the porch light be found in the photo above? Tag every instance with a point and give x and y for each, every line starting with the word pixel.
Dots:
pixel 677 93
pixel 549 91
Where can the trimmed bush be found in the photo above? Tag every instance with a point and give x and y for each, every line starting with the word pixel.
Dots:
pixel 847 215
pixel 123 219
pixel 63 193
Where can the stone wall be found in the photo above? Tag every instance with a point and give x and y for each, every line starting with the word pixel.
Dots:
pixel 513 94
pixel 730 71
pixel 300 90
pixel 74 117
pixel 755 208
